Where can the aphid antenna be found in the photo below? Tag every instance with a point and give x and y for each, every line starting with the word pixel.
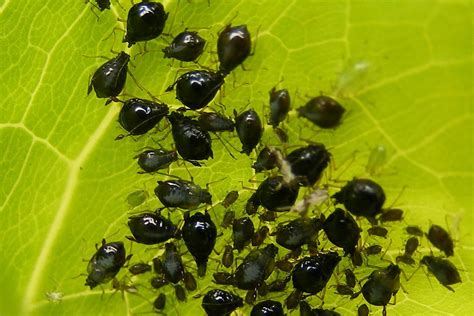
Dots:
pixel 221 140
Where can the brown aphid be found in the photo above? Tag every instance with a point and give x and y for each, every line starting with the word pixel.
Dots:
pixel 373 250
pixel 411 246
pixel 228 219
pixel 441 239
pixel 443 269
pixel 259 237
pixel 378 231
pixel 230 198
pixel 343 289
pixel 180 293
pixel 189 281
pixel 224 278
pixel 391 215
pixel 228 256
pixel 414 230
pixel 350 278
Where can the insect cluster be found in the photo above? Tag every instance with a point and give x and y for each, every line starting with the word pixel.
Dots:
pixel 291 239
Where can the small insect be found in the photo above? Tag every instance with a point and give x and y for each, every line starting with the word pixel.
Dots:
pixel 138 116
pixel 158 282
pixel 228 256
pixel 223 278
pixel 180 293
pixel 373 250
pixel 189 281
pixel 343 289
pixel 228 219
pixel 233 47
pixel 160 302
pixel 155 159
pixel 350 278
pixel 276 195
pixel 123 287
pixel 266 308
pixel 378 231
pixel 323 111
pixel 54 296
pixel 249 129
pixel 284 265
pixel 259 237
pixel 220 302
pixel 268 216
pixel 186 46
pixel 172 264
pixel 267 159
pixel 150 228
pixel 139 268
pixel 391 215
pixel 230 199
pixel 279 106
pixel 414 230
pixel 308 163
pixel 361 197
pixel 101 5
pixel 146 21
pixel 293 299
pixel 342 230
pixel 376 160
pixel 199 234
pixel 352 78
pixel 255 268
pixel 195 89
pixel 109 79
pixel 443 269
pixel 191 141
pixel 242 232
pixel 356 258
pixel 215 122
pixel 181 193
pixel 251 297
pixel 298 232
pixel 441 239
pixel 278 285
pixel 410 247
pixel 137 198
pixel 251 207
pixel 363 310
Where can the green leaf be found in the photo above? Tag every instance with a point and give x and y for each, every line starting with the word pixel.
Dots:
pixel 65 180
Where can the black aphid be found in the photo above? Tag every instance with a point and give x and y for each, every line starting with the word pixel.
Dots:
pixel 259 237
pixel 101 4
pixel 153 160
pixel 230 199
pixel 233 47
pixel 441 239
pixel 223 278
pixel 172 264
pixel 249 129
pixel 391 215
pixel 242 232
pixel 443 269
pixel 342 230
pixel 410 247
pixel 323 111
pixel 181 193
pixel 186 46
pixel 308 163
pixel 298 232
pixel 414 230
pixel 219 302
pixel 228 219
pixel 146 20
pixel 139 268
pixel 267 159
pixel 150 228
pixel 363 310
pixel 279 106
pixel 189 281
pixel 255 268
pixel 228 256
pixel 276 195
pixel 180 293
pixel 160 302
pixel 267 308
pixel 378 231
pixel 215 122
pixel 350 277
pixel 372 250
pixel 138 116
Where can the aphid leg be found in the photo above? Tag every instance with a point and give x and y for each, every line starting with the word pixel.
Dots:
pixel 223 144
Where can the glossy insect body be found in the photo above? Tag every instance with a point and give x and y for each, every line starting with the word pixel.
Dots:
pixel 182 194
pixel 215 122
pixel 138 116
pixel 186 46
pixel 443 269
pixel 311 274
pixel 219 302
pixel 259 237
pixel 361 197
pixel 249 129
pixel 233 47
pixel 156 159
pixel 172 265
pixel 109 79
pixel 298 232
pixel 279 106
pixel 242 232
pixel 441 239
pixel 381 285
pixel 139 268
pixel 323 111
pixel 308 163
pixel 276 195
pixel 150 228
pixel 192 142
pixel 199 234
pixel 255 268
pixel 267 308
pixel 195 89
pixel 146 20
pixel 342 230
pixel 267 159
pixel 105 263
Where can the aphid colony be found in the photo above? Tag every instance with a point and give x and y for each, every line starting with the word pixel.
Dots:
pixel 265 256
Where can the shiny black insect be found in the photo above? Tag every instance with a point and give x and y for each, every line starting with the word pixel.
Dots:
pixel 160 302
pixel 361 197
pixel 171 264
pixel 181 193
pixel 381 285
pixel 323 111
pixel 342 230
pixel 363 310
pixel 186 46
pixel 233 47
pixel 279 106
pixel 350 278
pixel 180 293
pixel 255 268
pixel 242 232
pixel 223 278
pixel 230 199
pixel 267 308
pixel 276 195
pixel 138 116
pixel 378 231
pixel 189 281
pixel 228 219
pixel 298 232
pixel 158 282
pixel 267 159
pixel 109 79
pixel 249 129
pixel 146 20
pixel 308 163
pixel 153 160
pixel 215 122
pixel 191 141
pixel 259 237
pixel 414 230
pixel 219 302
pixel 105 263
pixel 101 4
pixel 195 89
pixel 441 239
pixel 410 247
pixel 199 234
pixel 391 215
pixel 150 228
pixel 443 269
pixel 139 268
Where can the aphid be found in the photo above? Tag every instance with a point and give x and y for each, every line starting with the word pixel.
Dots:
pixel 352 78
pixel 199 234
pixel 267 308
pixel 268 216
pixel 298 232
pixel 255 268
pixel 191 142
pixel 157 266
pixel 109 79
pixel 215 122
pixel 137 198
pixel 361 197
pixel 376 160
pixel 228 256
pixel 441 239
pixel 443 269
pixel 324 312
pixel 414 230
pixel 54 296
pixel 233 47
pixel 391 215
pixel 276 195
pixel 106 263
pixel 263 289
pixel 356 258
pixel 195 89
pixel 308 163
pixel 172 265
pixel 189 281
pixel 343 289
pixel 181 193
pixel 155 159
pixel 381 285
pixel 350 278
pixel 249 129
pixel 230 199
pixel 373 250
pixel 251 207
pixel 251 297
pixel 150 228
pixel 124 287
pixel 284 265
pixel 405 259
pixel 411 245
pixel 180 293
pixel 279 106
pixel 293 299
pixel 278 285
pixel 267 159
pixel 139 268
pixel 158 282
pixel 323 111
pixel 160 302
pixel 186 46
pixel 242 232
pixel 228 219
pixel 363 310
pixel 146 20
pixel 101 4
pixel 138 116
pixel 342 230
pixel 219 302
pixel 259 237
pixel 305 309
pixel 378 231
pixel 223 278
